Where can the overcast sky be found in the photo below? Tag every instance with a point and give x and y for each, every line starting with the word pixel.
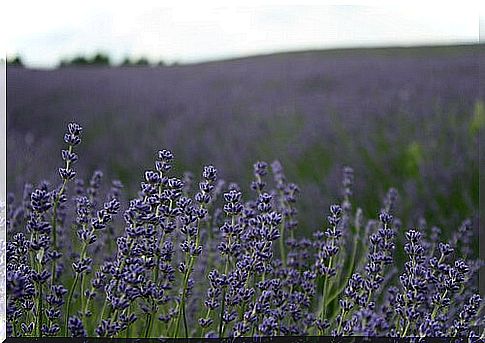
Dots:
pixel 46 31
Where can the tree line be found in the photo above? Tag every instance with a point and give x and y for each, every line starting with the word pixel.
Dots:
pixel 97 59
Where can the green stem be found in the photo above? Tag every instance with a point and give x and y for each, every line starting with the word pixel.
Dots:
pixel 282 244
pixel 83 300
pixel 406 329
pixel 221 323
pixel 54 219
pixel 86 308
pixel 104 309
pixel 348 276
pixel 38 267
pixel 68 303
pixel 185 324
pixel 39 312
pixel 323 311
pixel 341 319
pixel 181 309
pixel 148 325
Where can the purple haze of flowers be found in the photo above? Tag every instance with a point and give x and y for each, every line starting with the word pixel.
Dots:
pixel 187 263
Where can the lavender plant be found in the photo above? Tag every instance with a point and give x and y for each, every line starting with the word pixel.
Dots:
pixel 211 262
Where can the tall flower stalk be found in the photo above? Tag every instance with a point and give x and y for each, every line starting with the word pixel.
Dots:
pixel 72 138
pixel 326 256
pixel 191 245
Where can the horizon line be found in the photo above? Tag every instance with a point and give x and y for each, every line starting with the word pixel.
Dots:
pixel 229 58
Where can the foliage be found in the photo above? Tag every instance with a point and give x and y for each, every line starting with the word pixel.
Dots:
pixel 98 59
pixel 15 61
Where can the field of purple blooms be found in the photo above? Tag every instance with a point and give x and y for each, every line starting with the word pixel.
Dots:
pixel 111 247
pixel 404 118
pixel 194 258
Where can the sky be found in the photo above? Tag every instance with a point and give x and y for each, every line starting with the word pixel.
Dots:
pixel 43 32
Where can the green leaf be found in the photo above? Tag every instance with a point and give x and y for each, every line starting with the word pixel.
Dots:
pixel 478 120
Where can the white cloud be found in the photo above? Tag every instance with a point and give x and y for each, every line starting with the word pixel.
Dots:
pixel 43 32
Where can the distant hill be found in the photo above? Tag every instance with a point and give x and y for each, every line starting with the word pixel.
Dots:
pixel 398 51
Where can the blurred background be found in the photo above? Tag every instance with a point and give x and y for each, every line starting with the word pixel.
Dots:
pixel 394 92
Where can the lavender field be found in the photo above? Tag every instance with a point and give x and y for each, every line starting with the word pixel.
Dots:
pixel 402 118
pixel 331 193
